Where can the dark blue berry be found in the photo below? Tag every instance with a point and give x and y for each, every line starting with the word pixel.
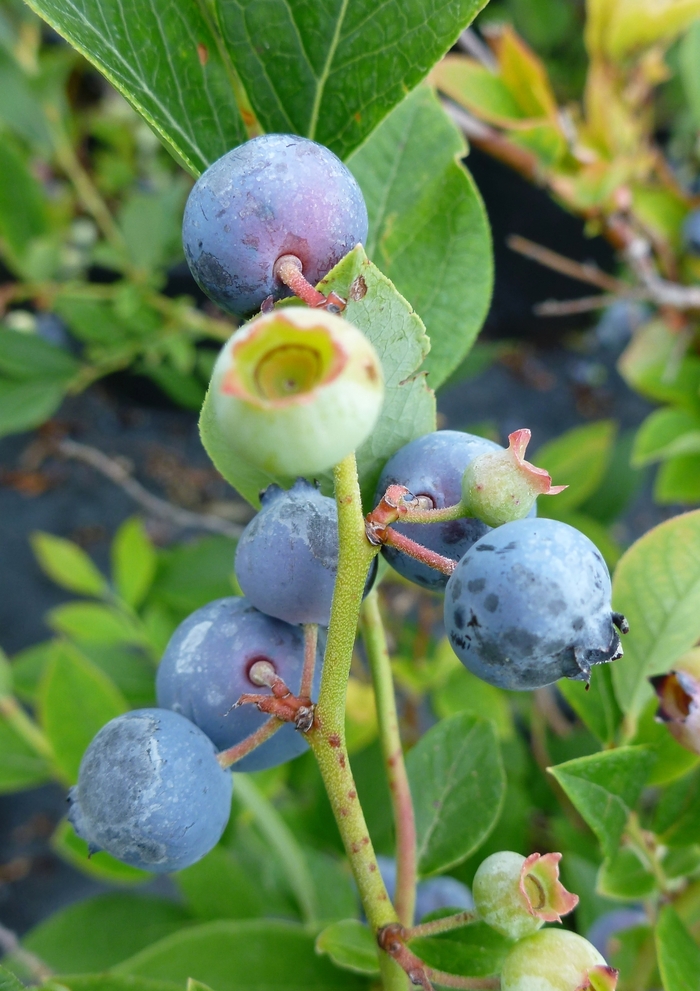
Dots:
pixel 691 233
pixel 205 670
pixel 287 556
pixel 433 466
pixel 275 195
pixel 151 792
pixel 530 603
pixel 431 895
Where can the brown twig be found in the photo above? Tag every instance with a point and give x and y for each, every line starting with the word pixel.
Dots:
pixel 493 143
pixel 470 42
pixel 581 271
pixel 10 945
pixel 566 307
pixel 153 504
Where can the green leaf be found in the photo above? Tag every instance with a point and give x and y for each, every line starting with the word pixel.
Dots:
pixel 595 704
pixel 8 981
pixel 457 783
pixel 677 952
pixel 652 365
pixel 665 434
pixel 678 480
pixel 20 107
pixel 22 204
pixel 578 458
pixel 107 982
pixel 67 564
pixel 689 60
pixel 20 765
pixel 428 227
pixel 99 932
pixel 605 787
pixel 475 87
pixel 464 692
pixel 29 403
pixel 26 356
pixel 197 986
pixel 242 956
pixel 336 894
pixel 219 887
pixel 92 622
pixel 677 818
pixel 101 866
pixel 76 700
pixel 191 575
pixel 672 760
pixel 151 224
pixel 166 60
pixel 333 71
pixel 657 586
pixel 624 876
pixel 377 309
pixel 27 669
pixel 350 945
pixel 133 561
pixel 474 951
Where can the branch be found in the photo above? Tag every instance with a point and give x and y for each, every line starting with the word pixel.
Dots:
pixel 582 271
pixel 470 42
pixel 160 508
pixel 10 945
pixel 493 143
pixel 566 307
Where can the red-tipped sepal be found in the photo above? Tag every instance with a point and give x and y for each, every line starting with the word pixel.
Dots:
pixel 546 897
pixel 679 700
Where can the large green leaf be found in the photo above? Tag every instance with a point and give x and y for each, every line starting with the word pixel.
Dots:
pixel 107 982
pixel 219 887
pixel 579 459
pixel 457 783
pixel 377 309
pixel 594 703
pixel 657 586
pixel 605 787
pixel 678 481
pixel 133 561
pixel 67 564
pixel 167 61
pixel 243 956
pixel 95 934
pixel 677 952
pixel 22 207
pixel 475 951
pixel 428 228
pixel 666 433
pixel 350 945
pixel 76 700
pixel 333 69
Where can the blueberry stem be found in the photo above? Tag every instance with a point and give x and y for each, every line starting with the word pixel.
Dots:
pixel 228 757
pixel 327 737
pixel 441 925
pixel 402 543
pixel 310 645
pixel 288 269
pixel 409 514
pixel 404 820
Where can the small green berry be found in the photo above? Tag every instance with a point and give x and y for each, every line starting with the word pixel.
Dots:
pixel 501 487
pixel 516 895
pixel 556 960
pixel 296 390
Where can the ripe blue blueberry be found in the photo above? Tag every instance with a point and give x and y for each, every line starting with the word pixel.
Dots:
pixel 433 466
pixel 530 603
pixel 205 670
pixel 151 792
pixel 691 232
pixel 287 556
pixel 275 195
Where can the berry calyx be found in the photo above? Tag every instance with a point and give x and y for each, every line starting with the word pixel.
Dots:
pixel 501 486
pixel 556 960
pixel 679 699
pixel 296 390
pixel 276 195
pixel 516 895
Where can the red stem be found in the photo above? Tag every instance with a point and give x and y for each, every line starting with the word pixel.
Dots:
pixel 288 269
pixel 310 646
pixel 402 543
pixel 228 757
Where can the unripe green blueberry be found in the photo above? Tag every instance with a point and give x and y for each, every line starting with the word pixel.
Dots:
pixel 516 895
pixel 501 487
pixel 296 390
pixel 556 960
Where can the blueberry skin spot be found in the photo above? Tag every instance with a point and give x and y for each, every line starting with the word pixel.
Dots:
pixel 459 618
pixel 491 602
pixel 477 585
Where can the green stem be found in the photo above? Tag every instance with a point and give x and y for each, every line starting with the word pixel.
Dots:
pixel 283 842
pixel 441 925
pixel 25 727
pixel 447 513
pixel 389 735
pixel 327 738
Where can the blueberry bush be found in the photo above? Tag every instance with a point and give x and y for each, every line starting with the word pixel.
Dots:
pixel 407 731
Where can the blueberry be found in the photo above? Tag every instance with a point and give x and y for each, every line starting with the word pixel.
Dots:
pixel 433 466
pixel 151 792
pixel 277 194
pixel 530 603
pixel 607 926
pixel 431 895
pixel 619 322
pixel 555 960
pixel 287 556
pixel 691 233
pixel 205 669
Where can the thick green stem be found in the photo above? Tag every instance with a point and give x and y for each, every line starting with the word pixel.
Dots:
pixel 404 820
pixel 327 738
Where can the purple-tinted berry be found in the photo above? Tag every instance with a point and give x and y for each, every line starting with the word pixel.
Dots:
pixel 691 233
pixel 287 556
pixel 151 792
pixel 205 668
pixel 431 895
pixel 433 466
pixel 609 925
pixel 530 603
pixel 274 195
